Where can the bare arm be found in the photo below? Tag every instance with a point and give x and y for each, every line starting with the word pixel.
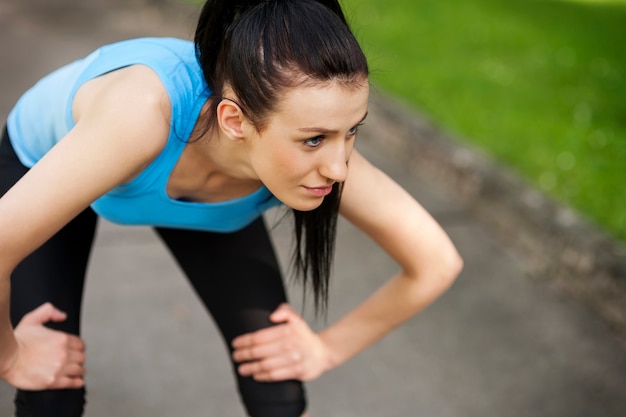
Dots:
pixel 429 264
pixel 428 260
pixel 122 124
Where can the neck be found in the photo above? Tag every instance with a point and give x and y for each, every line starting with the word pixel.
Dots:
pixel 211 169
pixel 225 156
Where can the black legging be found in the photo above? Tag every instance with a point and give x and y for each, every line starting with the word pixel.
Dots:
pixel 236 275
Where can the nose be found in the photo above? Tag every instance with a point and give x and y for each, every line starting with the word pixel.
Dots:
pixel 334 164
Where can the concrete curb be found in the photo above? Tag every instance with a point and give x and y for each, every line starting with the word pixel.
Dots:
pixel 554 242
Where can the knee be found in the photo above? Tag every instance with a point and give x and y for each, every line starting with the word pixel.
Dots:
pixel 50 403
pixel 279 399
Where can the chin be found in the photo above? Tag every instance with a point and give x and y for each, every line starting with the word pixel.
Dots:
pixel 305 205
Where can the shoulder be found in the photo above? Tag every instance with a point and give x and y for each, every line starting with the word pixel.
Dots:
pixel 132 98
pixel 128 110
pixel 136 87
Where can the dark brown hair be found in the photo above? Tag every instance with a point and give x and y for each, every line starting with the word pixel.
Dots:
pixel 258 49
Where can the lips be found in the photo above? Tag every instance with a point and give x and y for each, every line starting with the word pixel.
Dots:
pixel 319 191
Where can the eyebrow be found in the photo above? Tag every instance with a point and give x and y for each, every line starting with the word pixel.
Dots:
pixel 327 131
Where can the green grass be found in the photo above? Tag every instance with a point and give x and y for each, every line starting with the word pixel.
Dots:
pixel 539 85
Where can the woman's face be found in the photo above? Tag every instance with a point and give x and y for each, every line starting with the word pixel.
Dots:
pixel 306 144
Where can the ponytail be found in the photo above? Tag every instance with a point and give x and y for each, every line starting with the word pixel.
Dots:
pixel 215 19
pixel 258 49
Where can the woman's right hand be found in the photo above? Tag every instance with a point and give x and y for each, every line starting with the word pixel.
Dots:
pixel 46 358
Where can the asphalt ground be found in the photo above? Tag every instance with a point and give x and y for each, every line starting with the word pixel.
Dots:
pixel 496 344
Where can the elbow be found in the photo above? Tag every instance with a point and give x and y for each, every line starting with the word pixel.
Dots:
pixel 453 267
pixel 448 268
pixel 434 279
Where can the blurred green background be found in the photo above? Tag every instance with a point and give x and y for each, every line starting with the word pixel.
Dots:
pixel 539 85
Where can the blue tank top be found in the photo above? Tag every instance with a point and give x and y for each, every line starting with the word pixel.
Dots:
pixel 43 115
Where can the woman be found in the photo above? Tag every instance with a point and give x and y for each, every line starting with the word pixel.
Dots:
pixel 197 140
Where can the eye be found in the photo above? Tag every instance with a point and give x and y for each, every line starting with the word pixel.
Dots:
pixel 314 142
pixel 354 130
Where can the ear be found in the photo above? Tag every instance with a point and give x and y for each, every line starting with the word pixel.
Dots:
pixel 231 119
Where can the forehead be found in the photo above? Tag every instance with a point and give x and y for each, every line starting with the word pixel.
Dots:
pixel 331 104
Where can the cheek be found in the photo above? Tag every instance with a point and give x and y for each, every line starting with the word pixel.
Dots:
pixel 286 164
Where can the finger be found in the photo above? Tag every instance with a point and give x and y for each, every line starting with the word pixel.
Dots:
pixel 271 364
pixel 69 382
pixel 75 343
pixel 284 313
pixel 74 370
pixel 279 374
pixel 267 335
pixel 256 352
pixel 43 314
pixel 76 357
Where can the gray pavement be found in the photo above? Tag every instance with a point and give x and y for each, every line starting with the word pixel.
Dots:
pixel 497 344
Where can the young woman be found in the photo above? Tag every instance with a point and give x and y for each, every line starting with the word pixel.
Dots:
pixel 197 140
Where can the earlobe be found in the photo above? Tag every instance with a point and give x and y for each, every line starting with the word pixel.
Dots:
pixel 231 119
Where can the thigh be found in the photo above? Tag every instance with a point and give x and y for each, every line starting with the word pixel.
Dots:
pixel 53 273
pixel 238 279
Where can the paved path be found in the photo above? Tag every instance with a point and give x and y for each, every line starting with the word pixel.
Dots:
pixel 497 344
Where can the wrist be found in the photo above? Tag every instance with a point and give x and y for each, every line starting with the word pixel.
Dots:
pixel 7 362
pixel 331 357
pixel 8 355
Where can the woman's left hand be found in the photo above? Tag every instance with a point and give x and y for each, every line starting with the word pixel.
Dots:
pixel 288 350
